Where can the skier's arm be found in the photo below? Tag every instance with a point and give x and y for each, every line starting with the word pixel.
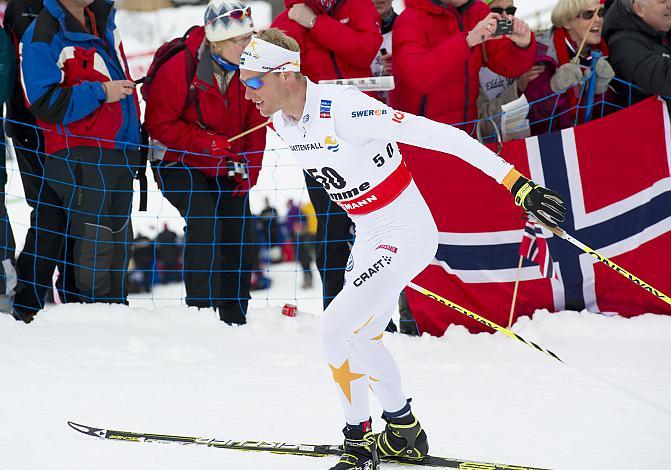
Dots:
pixel 352 124
pixel 360 119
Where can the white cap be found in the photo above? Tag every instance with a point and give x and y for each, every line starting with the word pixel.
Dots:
pixel 262 56
pixel 221 25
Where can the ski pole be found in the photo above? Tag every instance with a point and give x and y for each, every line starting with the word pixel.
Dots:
pixel 249 131
pixel 480 319
pixel 620 270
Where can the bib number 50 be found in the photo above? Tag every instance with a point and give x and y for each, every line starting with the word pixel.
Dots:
pixel 328 177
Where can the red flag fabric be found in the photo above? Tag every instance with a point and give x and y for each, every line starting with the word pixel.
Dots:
pixel 614 174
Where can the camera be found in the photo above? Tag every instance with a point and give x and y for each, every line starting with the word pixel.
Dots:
pixel 503 27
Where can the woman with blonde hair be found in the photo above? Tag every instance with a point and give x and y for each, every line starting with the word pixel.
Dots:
pixel 576 31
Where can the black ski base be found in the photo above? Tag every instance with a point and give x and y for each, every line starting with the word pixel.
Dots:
pixel 307 450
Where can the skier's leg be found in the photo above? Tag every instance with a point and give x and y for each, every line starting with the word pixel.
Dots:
pixel 357 316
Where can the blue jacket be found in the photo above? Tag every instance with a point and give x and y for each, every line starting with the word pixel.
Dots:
pixel 63 67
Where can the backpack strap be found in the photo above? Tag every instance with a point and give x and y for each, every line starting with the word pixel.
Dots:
pixel 191 67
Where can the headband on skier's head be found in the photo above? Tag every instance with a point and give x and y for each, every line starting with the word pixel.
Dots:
pixel 262 56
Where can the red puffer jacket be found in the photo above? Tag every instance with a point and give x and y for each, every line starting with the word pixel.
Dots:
pixel 340 45
pixel 173 119
pixel 435 72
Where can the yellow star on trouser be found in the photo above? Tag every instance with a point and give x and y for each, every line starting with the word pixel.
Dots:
pixel 343 377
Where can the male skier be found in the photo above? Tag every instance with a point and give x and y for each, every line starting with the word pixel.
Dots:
pixel 346 141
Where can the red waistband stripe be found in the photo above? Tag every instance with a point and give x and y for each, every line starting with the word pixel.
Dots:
pixel 380 195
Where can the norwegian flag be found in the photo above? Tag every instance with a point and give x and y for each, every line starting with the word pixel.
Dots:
pixel 614 174
pixel 534 247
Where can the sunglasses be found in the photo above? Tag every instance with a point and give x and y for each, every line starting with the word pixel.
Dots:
pixel 589 14
pixel 509 10
pixel 255 82
pixel 238 14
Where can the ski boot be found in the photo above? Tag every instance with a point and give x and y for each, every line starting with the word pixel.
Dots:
pixel 359 449
pixel 402 436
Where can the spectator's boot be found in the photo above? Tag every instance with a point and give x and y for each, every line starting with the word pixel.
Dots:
pixel 403 437
pixel 407 324
pixel 233 312
pixel 359 449
pixel 307 280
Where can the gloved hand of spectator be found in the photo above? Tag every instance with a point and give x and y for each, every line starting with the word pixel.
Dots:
pixel 116 90
pixel 565 77
pixel 220 146
pixel 604 74
pixel 544 204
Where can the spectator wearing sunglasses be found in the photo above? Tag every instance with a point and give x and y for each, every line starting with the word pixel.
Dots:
pixel 638 37
pixel 337 39
pixel 208 187
pixel 561 87
pixel 497 90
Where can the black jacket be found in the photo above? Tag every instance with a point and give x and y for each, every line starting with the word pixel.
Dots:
pixel 638 54
pixel 18 16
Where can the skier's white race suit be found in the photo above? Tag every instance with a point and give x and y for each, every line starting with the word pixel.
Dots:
pixel 347 142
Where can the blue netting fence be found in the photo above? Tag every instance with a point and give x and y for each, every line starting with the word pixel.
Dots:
pixel 73 223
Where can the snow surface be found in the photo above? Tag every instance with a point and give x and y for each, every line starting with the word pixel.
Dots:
pixel 180 371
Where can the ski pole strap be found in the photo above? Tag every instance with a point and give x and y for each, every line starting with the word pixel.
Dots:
pixel 523 192
pixel 480 319
pixel 615 267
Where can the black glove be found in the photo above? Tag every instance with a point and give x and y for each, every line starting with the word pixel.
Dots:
pixel 544 204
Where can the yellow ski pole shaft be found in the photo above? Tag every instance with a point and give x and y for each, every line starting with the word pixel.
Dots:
pixel 620 270
pixel 480 319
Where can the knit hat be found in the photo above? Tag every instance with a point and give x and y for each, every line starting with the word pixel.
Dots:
pixel 226 19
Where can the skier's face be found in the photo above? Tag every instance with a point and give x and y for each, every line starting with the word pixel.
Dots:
pixel 265 90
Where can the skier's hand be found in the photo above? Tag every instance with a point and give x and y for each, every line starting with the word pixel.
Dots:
pixel 544 204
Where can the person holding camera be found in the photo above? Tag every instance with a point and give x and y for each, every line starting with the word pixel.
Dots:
pixel 207 187
pixel 439 49
pixel 566 53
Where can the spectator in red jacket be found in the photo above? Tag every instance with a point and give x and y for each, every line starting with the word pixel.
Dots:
pixel 208 188
pixel 338 39
pixel 439 48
